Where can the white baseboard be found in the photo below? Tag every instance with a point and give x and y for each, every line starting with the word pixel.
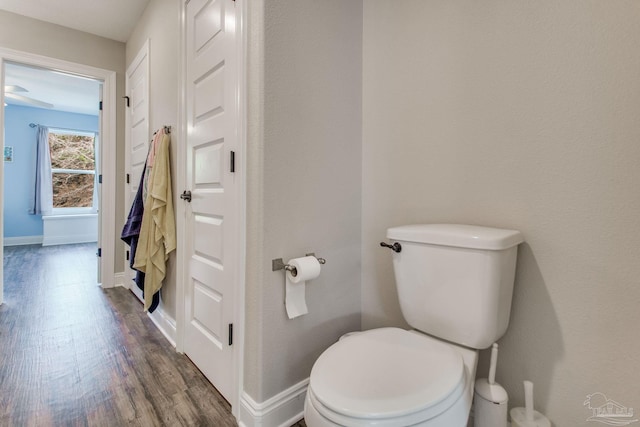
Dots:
pixel 282 410
pixel 22 240
pixel 165 324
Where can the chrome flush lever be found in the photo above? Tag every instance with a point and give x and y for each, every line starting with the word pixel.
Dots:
pixel 396 247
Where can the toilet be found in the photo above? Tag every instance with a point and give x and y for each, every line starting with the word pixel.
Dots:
pixel 455 284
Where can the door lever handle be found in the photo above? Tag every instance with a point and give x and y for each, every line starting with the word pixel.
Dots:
pixel 396 247
pixel 186 195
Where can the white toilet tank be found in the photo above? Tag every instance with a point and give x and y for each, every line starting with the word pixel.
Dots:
pixel 455 281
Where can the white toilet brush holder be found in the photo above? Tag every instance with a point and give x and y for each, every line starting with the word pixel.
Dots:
pixel 527 416
pixel 491 399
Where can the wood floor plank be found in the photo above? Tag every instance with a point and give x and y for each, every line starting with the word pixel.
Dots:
pixel 73 354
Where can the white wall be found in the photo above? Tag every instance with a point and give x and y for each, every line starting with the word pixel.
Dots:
pixel 304 175
pixel 160 23
pixel 42 38
pixel 69 229
pixel 522 115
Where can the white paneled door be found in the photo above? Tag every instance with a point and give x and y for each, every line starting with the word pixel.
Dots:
pixel 137 89
pixel 211 225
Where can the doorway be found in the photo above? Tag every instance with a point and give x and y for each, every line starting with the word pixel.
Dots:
pixel 58 113
pixel 105 134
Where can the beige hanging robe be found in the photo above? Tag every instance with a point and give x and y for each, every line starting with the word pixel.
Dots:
pixel 158 230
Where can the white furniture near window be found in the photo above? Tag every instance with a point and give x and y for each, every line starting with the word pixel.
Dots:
pixel 67 229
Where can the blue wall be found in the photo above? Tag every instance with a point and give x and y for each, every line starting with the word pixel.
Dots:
pixel 19 175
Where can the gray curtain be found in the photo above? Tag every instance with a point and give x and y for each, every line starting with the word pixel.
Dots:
pixel 43 197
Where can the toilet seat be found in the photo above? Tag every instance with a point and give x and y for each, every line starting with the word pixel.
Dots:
pixel 386 377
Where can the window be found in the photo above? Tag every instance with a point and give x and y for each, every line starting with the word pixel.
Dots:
pixel 73 169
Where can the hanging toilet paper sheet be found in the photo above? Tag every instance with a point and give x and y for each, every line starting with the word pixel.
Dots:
pixel 307 268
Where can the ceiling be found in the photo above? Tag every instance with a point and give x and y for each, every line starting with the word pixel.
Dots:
pixel 113 19
pixel 66 92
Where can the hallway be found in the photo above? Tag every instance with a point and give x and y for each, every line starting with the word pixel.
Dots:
pixel 74 354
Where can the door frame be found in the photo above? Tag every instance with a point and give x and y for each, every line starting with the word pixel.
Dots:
pixel 107 151
pixel 241 175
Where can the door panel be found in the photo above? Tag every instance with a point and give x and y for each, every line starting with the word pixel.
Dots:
pixel 208 164
pixel 211 216
pixel 208 238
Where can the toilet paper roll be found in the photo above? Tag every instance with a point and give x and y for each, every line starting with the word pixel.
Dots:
pixel 307 268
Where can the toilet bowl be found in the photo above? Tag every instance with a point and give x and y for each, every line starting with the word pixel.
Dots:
pixel 455 284
pixel 390 377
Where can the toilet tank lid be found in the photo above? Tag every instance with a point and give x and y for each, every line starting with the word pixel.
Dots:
pixel 457 235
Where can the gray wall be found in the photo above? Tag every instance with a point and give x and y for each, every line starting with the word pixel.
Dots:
pixel 512 114
pixel 160 23
pixel 42 38
pixel 304 182
pixel 522 115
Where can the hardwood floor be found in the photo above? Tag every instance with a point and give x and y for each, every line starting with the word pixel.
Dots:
pixel 73 354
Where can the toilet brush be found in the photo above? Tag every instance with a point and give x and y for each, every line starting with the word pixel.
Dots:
pixel 491 399
pixel 527 416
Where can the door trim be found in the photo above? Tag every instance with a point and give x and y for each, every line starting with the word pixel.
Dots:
pixel 182 258
pixel 107 150
pixel 241 170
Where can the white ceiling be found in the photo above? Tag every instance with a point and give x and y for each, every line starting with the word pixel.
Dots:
pixel 113 19
pixel 64 91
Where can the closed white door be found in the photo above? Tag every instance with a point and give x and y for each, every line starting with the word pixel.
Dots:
pixel 137 89
pixel 212 227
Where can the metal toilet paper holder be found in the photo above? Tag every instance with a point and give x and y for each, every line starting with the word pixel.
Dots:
pixel 278 264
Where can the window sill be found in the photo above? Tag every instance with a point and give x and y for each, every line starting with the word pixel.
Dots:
pixel 73 211
pixel 69 216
